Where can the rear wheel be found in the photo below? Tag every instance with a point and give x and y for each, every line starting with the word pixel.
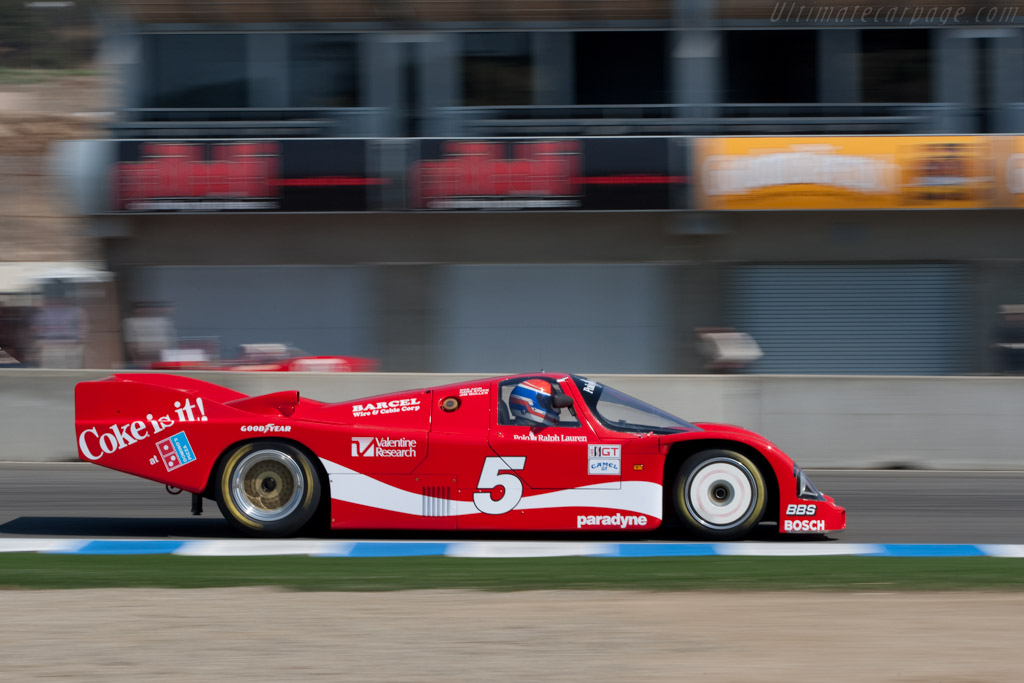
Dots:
pixel 267 488
pixel 719 495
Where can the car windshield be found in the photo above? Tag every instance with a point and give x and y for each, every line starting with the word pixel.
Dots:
pixel 623 413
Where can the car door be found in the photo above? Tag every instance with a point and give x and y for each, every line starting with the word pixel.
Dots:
pixel 566 455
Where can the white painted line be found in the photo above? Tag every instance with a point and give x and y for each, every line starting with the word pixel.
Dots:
pixel 490 549
pixel 520 549
pixel 41 545
pixel 796 549
pixel 242 548
pixel 1002 550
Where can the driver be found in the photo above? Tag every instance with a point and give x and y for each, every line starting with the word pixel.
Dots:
pixel 530 403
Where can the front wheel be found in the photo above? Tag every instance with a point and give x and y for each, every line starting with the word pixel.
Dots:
pixel 267 488
pixel 719 495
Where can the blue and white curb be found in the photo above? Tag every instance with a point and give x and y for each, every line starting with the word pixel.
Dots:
pixel 492 549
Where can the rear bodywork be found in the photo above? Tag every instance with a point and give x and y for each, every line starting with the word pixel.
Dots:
pixel 439 458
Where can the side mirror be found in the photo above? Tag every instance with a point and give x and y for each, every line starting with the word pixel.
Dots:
pixel 561 401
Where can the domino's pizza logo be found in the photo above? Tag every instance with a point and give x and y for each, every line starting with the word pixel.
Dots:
pixel 175 451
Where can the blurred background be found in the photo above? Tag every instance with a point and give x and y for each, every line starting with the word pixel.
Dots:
pixel 602 186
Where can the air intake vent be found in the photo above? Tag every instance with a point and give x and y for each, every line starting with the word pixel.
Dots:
pixel 437 501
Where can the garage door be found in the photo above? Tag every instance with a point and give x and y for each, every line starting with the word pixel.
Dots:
pixel 320 309
pixel 573 318
pixel 854 319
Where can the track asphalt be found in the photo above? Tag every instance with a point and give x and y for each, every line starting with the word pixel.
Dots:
pixel 77 507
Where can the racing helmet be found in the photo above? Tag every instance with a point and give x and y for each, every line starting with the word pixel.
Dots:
pixel 531 400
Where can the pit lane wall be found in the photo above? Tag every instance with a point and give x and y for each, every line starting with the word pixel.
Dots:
pixel 822 421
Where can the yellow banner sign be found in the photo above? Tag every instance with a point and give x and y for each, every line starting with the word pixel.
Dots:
pixel 1011 171
pixel 896 172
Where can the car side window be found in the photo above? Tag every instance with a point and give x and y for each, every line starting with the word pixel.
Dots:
pixel 505 417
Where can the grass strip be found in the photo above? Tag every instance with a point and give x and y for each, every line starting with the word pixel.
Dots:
pixel 39 571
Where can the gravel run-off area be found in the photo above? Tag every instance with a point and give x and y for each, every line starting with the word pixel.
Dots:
pixel 263 634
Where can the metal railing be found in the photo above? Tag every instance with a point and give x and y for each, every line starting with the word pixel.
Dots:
pixel 570 120
pixel 704 119
pixel 250 122
pixel 392 11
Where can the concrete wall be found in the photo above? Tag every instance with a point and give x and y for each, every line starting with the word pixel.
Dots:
pixel 409 256
pixel 834 422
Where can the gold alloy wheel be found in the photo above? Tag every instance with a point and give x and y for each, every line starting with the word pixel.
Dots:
pixel 267 485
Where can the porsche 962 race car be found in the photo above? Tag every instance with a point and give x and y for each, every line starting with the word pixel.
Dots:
pixel 526 452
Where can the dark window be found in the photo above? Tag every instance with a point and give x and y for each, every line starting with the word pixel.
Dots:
pixel 196 71
pixel 771 66
pixel 566 416
pixel 497 69
pixel 895 66
pixel 323 70
pixel 985 69
pixel 621 67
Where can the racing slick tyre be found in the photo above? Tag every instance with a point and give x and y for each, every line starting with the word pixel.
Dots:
pixel 719 495
pixel 267 488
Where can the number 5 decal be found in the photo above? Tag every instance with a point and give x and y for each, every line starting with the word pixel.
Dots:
pixel 490 478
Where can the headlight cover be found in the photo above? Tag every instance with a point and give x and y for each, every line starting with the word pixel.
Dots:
pixel 805 488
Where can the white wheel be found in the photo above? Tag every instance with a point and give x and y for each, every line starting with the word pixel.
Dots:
pixel 720 494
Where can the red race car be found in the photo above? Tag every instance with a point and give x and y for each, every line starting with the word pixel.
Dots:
pixel 526 452
pixel 266 358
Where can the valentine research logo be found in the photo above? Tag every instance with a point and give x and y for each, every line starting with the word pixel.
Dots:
pixel 382 447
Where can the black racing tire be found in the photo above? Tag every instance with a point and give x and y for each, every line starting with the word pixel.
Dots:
pixel 719 495
pixel 267 489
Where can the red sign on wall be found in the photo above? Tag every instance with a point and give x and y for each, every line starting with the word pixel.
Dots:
pixel 199 176
pixel 348 174
pixel 594 174
pixel 498 175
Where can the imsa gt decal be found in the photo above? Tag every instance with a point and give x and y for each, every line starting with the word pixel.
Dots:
pixel 604 459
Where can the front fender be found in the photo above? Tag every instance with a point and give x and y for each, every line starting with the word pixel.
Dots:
pixel 796 514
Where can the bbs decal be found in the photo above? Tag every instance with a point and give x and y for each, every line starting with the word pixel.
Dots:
pixel 801 510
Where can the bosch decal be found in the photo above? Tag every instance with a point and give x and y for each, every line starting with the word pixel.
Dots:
pixel 803 525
